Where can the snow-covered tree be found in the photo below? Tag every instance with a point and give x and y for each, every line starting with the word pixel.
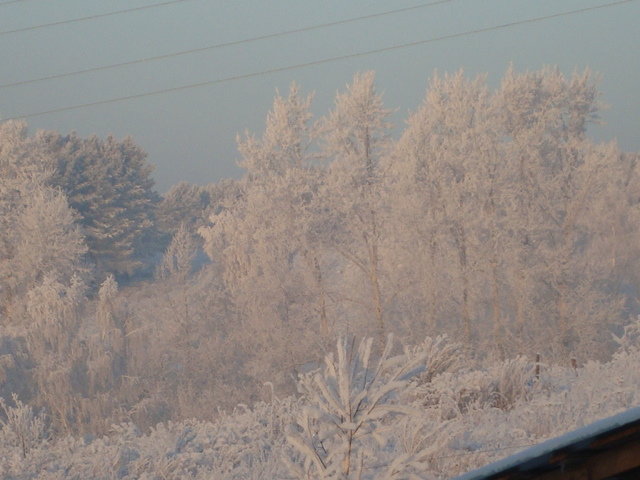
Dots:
pixel 184 203
pixel 108 351
pixel 506 188
pixel 53 343
pixel 354 137
pixel 48 240
pixel 341 430
pixel 21 428
pixel 260 240
pixel 446 183
pixel 179 256
pixel 494 219
pixel 564 192
pixel 285 141
pixel 40 237
pixel 109 183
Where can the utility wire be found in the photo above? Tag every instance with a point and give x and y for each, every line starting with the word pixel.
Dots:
pixel 225 44
pixel 11 1
pixel 90 17
pixel 323 61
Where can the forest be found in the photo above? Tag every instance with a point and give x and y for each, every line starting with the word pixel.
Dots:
pixel 368 301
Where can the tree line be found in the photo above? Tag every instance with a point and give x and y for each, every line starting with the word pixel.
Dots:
pixel 492 217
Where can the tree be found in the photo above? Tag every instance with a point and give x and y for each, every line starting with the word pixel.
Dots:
pixel 178 258
pixel 52 336
pixel 17 172
pixel 354 137
pixel 260 240
pixel 564 191
pixel 446 192
pixel 340 430
pixel 22 428
pixel 109 183
pixel 184 203
pixel 48 240
pixel 499 204
pixel 40 236
pixel 285 141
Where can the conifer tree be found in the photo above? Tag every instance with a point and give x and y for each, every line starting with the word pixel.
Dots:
pixel 339 431
pixel 109 183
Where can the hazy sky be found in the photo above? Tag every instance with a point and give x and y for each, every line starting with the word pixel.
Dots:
pixel 190 134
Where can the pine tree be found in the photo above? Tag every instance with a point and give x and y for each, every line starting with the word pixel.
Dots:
pixel 340 430
pixel 178 258
pixel 109 183
pixel 184 203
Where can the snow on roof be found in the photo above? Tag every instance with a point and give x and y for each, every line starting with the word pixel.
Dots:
pixel 540 454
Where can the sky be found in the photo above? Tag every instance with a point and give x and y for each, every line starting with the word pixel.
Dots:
pixel 190 134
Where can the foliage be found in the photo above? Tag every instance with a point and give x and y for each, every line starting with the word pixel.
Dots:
pixel 494 227
pixel 349 404
pixel 179 256
pixel 255 443
pixel 22 428
pixel 108 182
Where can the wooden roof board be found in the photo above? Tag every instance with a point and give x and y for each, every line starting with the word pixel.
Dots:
pixel 567 451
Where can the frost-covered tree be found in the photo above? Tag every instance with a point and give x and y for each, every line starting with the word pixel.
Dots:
pixel 178 258
pixel 354 137
pixel 109 183
pixel 17 173
pixel 21 427
pixel 493 219
pixel 40 236
pixel 43 275
pixel 184 203
pixel 260 239
pixel 108 353
pixel 53 342
pixel 48 240
pixel 445 191
pixel 563 193
pixel 499 209
pixel 285 141
pixel 344 425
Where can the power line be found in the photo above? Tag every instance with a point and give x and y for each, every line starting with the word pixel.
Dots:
pixel 323 61
pixel 90 17
pixel 225 44
pixel 11 1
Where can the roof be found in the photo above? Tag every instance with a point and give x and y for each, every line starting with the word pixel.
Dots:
pixel 594 446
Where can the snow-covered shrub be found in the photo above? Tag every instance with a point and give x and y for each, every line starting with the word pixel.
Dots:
pixel 501 386
pixel 399 430
pixel 562 399
pixel 630 338
pixel 21 428
pixel 514 382
pixel 246 444
pixel 441 355
pixel 343 429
